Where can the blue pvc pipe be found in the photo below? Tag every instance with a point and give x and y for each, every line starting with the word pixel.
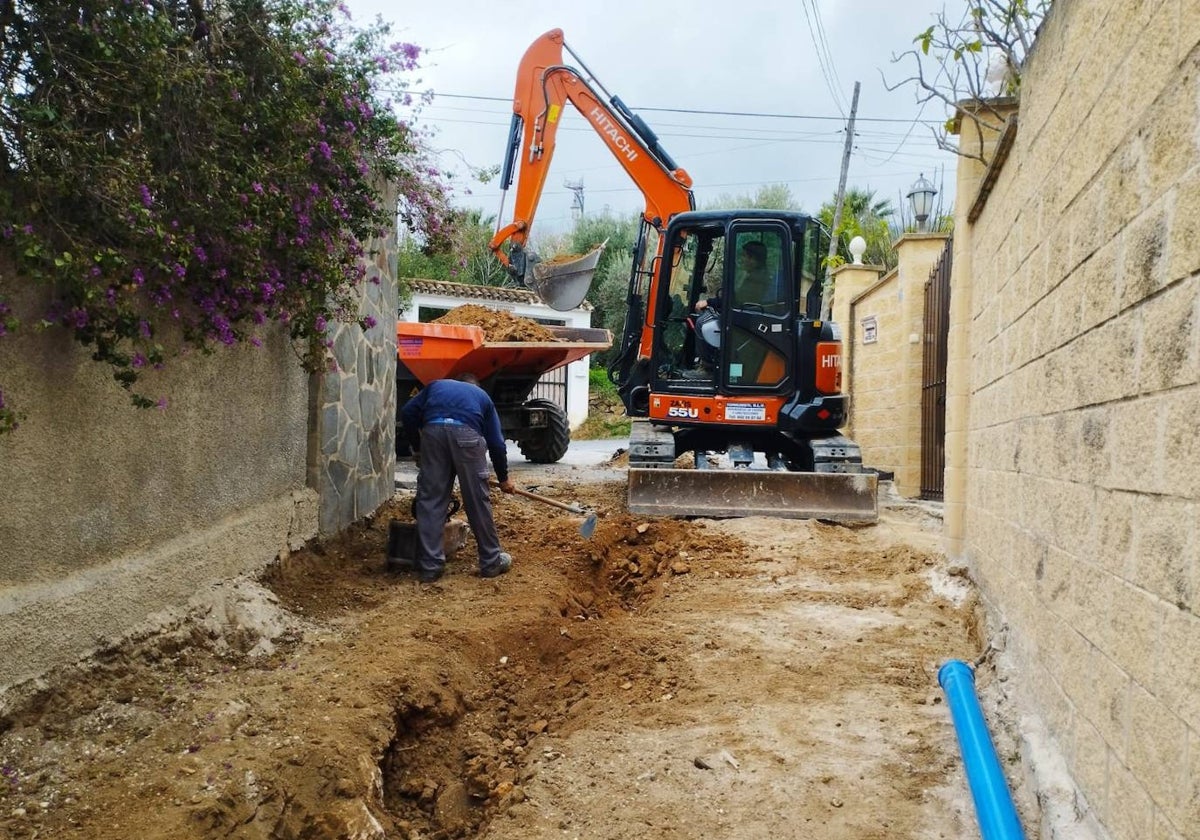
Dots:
pixel 993 803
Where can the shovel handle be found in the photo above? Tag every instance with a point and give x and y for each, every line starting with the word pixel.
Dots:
pixel 545 500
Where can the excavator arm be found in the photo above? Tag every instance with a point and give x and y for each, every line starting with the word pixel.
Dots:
pixel 544 86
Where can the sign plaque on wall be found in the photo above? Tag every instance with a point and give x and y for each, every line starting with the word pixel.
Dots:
pixel 870 330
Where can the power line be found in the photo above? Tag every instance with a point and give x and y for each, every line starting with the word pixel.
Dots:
pixel 821 50
pixel 765 115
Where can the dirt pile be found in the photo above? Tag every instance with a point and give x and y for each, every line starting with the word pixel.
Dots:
pixel 665 678
pixel 497 325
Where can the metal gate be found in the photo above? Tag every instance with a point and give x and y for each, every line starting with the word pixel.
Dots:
pixel 933 377
pixel 552 386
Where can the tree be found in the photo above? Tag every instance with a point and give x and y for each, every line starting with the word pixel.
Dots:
pixel 462 257
pixel 611 282
pixel 863 215
pixel 182 178
pixel 768 197
pixel 977 59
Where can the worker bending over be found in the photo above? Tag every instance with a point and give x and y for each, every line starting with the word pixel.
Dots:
pixel 458 427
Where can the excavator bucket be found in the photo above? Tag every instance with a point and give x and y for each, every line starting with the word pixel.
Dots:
pixel 837 497
pixel 563 283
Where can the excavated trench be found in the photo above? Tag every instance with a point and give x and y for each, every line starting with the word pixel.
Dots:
pixel 462 752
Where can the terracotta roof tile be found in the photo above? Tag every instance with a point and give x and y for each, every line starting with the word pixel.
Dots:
pixel 471 291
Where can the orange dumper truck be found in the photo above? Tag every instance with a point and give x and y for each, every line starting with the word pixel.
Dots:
pixel 507 370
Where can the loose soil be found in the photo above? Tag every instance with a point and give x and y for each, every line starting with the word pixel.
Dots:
pixel 497 325
pixel 752 678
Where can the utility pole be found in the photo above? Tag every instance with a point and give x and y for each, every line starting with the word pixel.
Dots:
pixel 827 292
pixel 577 205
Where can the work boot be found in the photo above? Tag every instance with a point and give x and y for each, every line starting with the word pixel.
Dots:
pixel 776 462
pixel 500 567
pixel 431 576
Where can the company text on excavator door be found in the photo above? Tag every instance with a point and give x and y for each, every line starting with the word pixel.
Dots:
pixel 723 349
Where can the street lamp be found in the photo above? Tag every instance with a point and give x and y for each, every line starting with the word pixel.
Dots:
pixel 921 199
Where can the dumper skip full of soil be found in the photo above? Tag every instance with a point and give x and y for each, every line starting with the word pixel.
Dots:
pixel 497 325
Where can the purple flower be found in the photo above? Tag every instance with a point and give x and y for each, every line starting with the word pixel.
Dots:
pixel 300 59
pixel 147 198
pixel 161 404
pixel 139 361
pixel 320 324
pixel 370 321
pixel 257 187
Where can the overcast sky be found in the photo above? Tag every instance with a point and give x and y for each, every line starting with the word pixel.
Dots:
pixel 749 56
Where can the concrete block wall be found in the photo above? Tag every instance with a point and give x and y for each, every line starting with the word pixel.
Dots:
pixel 875 385
pixel 884 377
pixel 1075 387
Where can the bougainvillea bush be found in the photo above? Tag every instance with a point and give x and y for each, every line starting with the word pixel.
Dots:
pixel 198 170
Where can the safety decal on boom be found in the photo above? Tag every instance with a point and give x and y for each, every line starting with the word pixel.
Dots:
pixel 746 411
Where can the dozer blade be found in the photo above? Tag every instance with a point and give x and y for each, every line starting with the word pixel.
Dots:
pixel 838 497
pixel 564 283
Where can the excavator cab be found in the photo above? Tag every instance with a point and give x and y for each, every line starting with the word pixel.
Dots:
pixel 727 315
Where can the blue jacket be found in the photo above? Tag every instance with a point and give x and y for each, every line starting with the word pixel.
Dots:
pixel 468 404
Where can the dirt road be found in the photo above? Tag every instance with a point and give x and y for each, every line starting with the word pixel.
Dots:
pixel 749 678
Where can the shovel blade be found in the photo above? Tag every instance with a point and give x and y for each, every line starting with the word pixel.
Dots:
pixel 588 527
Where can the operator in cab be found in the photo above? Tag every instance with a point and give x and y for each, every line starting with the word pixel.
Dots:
pixel 753 283
pixel 458 429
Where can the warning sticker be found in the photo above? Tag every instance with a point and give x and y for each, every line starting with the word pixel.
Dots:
pixel 745 411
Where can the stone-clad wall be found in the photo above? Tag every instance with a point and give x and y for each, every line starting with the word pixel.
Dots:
pixel 1075 397
pixel 352 433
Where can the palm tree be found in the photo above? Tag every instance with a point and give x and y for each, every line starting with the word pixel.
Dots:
pixel 863 215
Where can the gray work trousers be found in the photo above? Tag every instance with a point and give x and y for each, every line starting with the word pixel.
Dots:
pixel 449 452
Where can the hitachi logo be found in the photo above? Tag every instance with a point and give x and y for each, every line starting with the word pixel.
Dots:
pixel 609 128
pixel 831 361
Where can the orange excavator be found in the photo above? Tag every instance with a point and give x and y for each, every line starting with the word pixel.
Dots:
pixel 723 353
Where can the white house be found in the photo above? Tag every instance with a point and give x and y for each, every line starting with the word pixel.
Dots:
pixel 433 298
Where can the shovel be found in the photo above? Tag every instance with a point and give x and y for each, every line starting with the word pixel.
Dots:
pixel 589 523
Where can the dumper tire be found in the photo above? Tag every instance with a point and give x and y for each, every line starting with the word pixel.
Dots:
pixel 551 443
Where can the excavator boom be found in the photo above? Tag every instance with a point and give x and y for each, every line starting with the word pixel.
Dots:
pixel 545 85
